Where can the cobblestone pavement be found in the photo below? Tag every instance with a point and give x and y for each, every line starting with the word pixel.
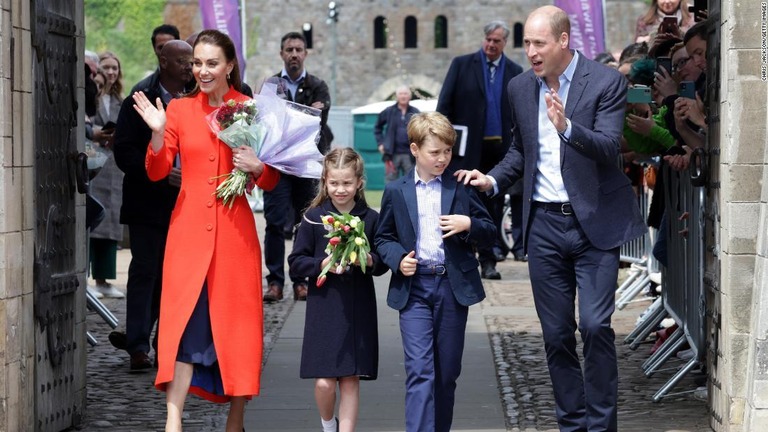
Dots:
pixel 524 384
pixel 121 401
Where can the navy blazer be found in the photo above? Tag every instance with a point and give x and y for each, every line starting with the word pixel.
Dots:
pixel 462 100
pixel 600 193
pixel 397 233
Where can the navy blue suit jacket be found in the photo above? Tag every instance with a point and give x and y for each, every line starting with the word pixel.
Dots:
pixel 462 100
pixel 398 230
pixel 600 193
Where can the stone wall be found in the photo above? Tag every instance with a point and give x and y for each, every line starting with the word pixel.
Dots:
pixel 365 74
pixel 16 224
pixel 744 211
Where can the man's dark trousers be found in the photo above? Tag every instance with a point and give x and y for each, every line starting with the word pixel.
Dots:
pixel 291 191
pixel 560 260
pixel 145 279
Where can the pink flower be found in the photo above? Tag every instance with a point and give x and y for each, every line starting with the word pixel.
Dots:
pixel 334 241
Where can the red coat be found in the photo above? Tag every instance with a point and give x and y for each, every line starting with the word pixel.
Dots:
pixel 209 241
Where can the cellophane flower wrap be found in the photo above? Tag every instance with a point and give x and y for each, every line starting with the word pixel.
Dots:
pixel 347 244
pixel 281 134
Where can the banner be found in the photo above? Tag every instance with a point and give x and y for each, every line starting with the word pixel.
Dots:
pixel 224 16
pixel 587 25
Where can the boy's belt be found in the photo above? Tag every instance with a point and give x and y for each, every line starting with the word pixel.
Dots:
pixel 436 269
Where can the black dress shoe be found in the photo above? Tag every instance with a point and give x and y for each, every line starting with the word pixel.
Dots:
pixel 118 340
pixel 498 255
pixel 521 257
pixel 490 272
pixel 140 361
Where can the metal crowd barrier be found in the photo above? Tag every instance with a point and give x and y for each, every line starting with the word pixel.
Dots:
pixel 683 289
pixel 637 253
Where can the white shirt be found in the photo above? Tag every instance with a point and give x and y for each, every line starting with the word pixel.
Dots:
pixel 549 186
pixel 429 237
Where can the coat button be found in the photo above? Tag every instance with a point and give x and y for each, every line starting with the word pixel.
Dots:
pixel 209 204
pixel 210 181
pixel 209 227
pixel 211 158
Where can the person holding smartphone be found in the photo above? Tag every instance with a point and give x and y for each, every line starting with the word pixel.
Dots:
pixel 657 11
pixel 107 186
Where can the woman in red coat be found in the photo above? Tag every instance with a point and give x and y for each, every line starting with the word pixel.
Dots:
pixel 210 341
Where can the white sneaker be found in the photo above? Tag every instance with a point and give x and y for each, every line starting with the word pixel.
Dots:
pixel 95 293
pixel 108 290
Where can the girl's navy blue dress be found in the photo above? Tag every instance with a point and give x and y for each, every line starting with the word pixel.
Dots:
pixel 340 331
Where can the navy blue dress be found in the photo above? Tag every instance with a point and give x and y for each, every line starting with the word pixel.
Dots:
pixel 196 347
pixel 341 329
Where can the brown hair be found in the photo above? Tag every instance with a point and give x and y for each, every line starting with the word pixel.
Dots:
pixel 221 40
pixel 427 124
pixel 653 12
pixel 341 158
pixel 115 89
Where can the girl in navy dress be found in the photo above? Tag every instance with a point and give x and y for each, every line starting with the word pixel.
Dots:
pixel 341 341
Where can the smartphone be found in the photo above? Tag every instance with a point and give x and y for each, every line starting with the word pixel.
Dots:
pixel 639 94
pixel 109 125
pixel 697 8
pixel 669 25
pixel 664 62
pixel 687 89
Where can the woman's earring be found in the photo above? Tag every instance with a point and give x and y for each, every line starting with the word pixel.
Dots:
pixel 227 75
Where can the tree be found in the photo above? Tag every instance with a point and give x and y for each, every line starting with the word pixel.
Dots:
pixel 125 28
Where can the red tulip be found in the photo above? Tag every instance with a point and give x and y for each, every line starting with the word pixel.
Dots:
pixel 334 240
pixel 330 220
pixel 321 280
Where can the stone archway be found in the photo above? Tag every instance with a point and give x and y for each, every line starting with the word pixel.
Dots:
pixel 421 83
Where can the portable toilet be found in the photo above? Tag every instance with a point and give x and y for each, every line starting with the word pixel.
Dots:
pixel 364 119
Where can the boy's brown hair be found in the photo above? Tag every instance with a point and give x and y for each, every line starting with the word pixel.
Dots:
pixel 427 124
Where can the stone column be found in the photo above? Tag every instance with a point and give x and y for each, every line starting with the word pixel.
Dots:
pixel 744 228
pixel 16 219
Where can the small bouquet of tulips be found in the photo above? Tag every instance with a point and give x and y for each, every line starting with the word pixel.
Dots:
pixel 347 244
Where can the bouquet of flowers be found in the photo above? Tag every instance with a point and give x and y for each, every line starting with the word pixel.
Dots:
pixel 347 244
pixel 235 121
pixel 282 137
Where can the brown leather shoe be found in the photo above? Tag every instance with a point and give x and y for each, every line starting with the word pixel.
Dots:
pixel 140 361
pixel 274 293
pixel 300 291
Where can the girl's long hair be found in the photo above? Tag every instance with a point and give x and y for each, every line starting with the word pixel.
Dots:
pixel 115 89
pixel 341 158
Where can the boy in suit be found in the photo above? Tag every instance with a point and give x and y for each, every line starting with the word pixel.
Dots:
pixel 428 227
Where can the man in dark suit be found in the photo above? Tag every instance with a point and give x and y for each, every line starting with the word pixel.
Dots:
pixel 474 95
pixel 579 208
pixel 147 205
pixel 292 194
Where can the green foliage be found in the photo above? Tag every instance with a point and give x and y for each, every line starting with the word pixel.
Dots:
pixel 125 28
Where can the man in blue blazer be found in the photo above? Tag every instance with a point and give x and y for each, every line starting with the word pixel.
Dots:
pixel 474 95
pixel 579 208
